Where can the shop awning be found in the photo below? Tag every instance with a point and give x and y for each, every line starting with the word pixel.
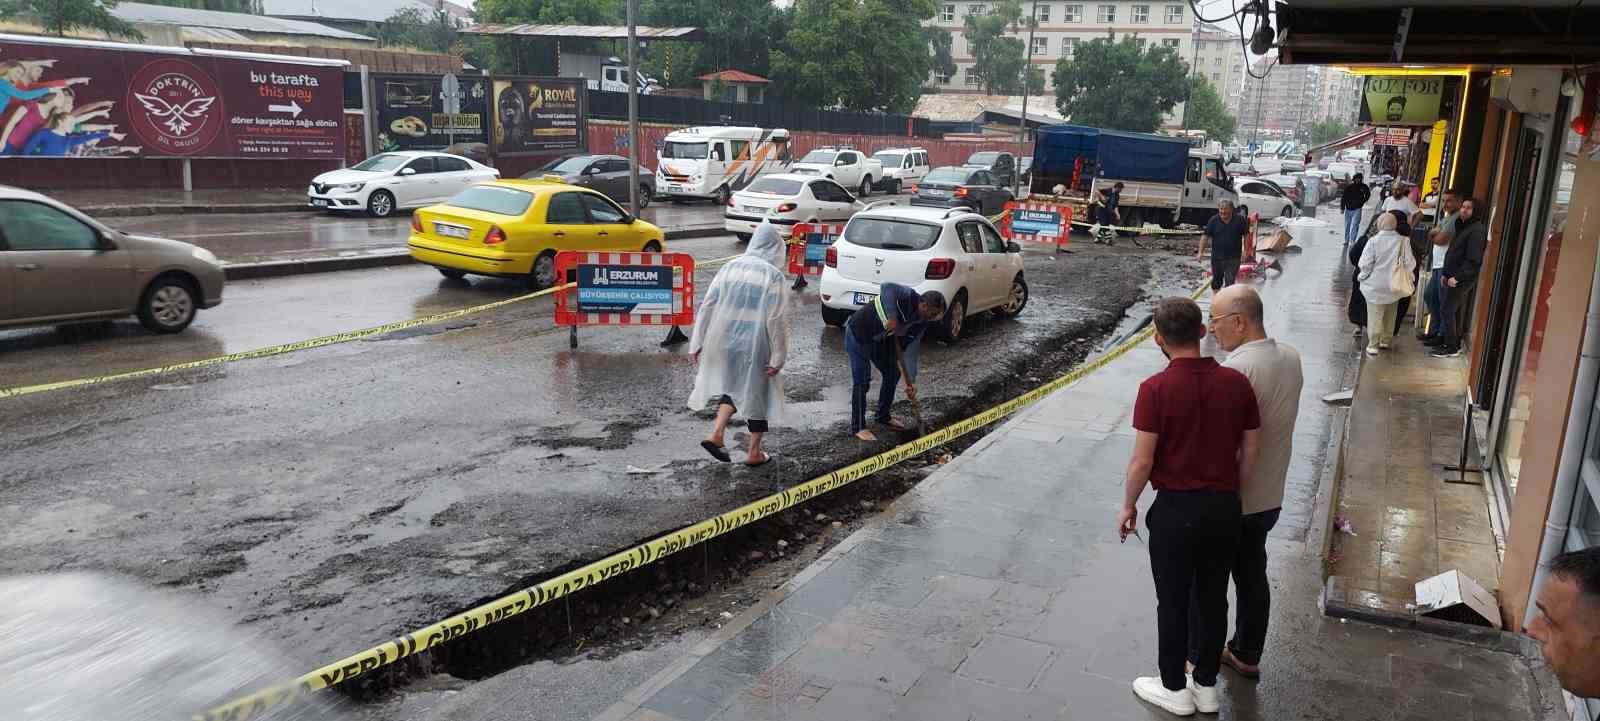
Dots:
pixel 1532 32
pixel 586 32
pixel 1349 141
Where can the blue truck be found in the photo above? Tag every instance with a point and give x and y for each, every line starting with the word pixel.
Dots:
pixel 1165 181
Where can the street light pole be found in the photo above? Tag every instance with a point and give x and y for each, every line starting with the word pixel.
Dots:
pixel 633 112
pixel 1188 92
pixel 1027 74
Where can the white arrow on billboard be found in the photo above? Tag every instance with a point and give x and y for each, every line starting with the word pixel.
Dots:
pixel 293 108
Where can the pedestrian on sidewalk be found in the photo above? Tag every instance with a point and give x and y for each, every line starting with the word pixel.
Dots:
pixel 1238 322
pixel 1400 199
pixel 1458 275
pixel 898 317
pixel 1198 435
pixel 1225 232
pixel 1567 625
pixel 1439 237
pixel 1355 197
pixel 1384 262
pixel 740 341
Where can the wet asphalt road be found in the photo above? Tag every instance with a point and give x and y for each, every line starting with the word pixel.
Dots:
pixel 332 498
pixel 258 237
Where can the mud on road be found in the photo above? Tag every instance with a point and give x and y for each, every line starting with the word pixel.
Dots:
pixel 334 498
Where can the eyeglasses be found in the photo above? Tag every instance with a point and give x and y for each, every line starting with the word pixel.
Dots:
pixel 1216 318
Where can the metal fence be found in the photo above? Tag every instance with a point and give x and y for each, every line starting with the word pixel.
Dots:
pixel 695 111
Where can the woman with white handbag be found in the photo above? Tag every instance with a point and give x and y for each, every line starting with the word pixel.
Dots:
pixel 1385 276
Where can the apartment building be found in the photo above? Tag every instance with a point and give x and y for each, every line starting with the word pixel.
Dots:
pixel 1219 57
pixel 1292 97
pixel 1062 25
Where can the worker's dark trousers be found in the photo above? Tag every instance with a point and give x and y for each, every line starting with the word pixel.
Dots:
pixel 1454 299
pixel 1224 271
pixel 864 355
pixel 1194 536
pixel 1252 588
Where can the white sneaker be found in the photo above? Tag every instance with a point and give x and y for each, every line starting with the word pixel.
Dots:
pixel 1372 350
pixel 1150 688
pixel 1205 699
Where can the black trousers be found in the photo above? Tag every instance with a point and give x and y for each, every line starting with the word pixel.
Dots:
pixel 1224 271
pixel 1454 299
pixel 1194 536
pixel 1252 588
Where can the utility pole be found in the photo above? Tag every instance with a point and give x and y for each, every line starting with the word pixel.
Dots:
pixel 1027 75
pixel 633 112
pixel 1188 90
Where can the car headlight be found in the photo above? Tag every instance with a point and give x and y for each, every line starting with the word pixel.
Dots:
pixel 350 187
pixel 205 256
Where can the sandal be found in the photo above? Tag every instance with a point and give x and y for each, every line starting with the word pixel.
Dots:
pixel 718 452
pixel 893 425
pixel 765 459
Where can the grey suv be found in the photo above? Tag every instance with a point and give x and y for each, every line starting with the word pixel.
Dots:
pixel 58 265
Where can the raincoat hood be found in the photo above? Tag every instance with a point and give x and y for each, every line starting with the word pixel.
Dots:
pixel 767 244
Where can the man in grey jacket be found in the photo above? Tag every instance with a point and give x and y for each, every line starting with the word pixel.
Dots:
pixel 1238 324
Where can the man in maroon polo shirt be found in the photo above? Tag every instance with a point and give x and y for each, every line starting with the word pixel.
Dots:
pixel 1197 426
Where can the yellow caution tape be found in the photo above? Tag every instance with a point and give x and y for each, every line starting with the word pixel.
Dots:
pixel 641 555
pixel 297 345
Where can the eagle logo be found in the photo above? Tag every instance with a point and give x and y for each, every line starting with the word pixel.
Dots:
pixel 176 118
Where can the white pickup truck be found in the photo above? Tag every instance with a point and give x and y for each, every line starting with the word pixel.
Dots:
pixel 846 166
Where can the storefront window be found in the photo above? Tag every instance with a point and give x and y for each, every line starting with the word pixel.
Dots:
pixel 1536 312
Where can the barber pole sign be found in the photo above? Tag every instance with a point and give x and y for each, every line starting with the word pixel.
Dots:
pixel 625 288
pixel 1037 222
pixel 808 247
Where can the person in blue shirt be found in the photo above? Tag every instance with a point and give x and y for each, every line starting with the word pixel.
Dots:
pixel 58 138
pixel 898 315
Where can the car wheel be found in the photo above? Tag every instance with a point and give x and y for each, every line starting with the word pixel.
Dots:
pixel 955 318
pixel 866 186
pixel 1016 300
pixel 380 204
pixel 544 271
pixel 644 196
pixel 452 273
pixel 652 247
pixel 742 237
pixel 1288 210
pixel 835 317
pixel 168 305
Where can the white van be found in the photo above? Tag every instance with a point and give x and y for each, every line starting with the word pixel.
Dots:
pixel 713 162
pixel 902 167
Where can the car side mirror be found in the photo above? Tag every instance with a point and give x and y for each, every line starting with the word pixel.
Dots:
pixel 106 241
pixel 1013 246
pixel 591 170
pixel 408 171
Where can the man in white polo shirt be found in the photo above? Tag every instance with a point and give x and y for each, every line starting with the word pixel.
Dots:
pixel 1273 368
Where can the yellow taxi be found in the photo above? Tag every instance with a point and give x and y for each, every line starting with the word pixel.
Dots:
pixel 513 228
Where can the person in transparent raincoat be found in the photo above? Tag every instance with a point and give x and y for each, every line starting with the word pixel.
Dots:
pixel 740 341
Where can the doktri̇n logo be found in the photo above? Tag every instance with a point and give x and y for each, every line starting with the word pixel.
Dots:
pixel 175 107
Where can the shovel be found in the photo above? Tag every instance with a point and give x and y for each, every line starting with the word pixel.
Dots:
pixel 916 404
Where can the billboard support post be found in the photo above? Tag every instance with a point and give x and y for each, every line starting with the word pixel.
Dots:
pixel 188 176
pixel 633 112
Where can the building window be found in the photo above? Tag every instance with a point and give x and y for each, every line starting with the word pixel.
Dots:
pixel 968 77
pixel 1072 14
pixel 1107 14
pixel 978 9
pixel 942 79
pixel 1171 43
pixel 947 14
pixel 1040 46
pixel 1067 46
pixel 1044 14
pixel 1141 41
pixel 1174 14
pixel 1216 78
pixel 1141 14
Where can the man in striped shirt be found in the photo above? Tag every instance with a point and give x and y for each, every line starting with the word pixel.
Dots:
pixel 898 315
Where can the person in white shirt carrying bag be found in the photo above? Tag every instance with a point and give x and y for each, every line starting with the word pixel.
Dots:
pixel 1384 273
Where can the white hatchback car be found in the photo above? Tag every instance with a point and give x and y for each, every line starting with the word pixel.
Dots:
pixel 1268 199
pixel 787 199
pixel 956 252
pixel 387 182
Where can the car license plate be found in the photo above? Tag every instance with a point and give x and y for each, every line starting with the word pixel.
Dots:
pixel 321 202
pixel 864 298
pixel 753 209
pixel 451 231
pixel 932 193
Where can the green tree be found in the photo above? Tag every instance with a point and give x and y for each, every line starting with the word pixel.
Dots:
pixel 739 35
pixel 998 53
pixel 415 28
pixel 63 16
pixel 1328 130
pixel 1205 111
pixel 942 45
pixel 867 55
pixel 1119 84
pixel 538 56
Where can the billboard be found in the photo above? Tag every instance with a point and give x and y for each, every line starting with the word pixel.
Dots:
pixel 538 115
pixel 1402 99
pixel 77 98
pixel 410 112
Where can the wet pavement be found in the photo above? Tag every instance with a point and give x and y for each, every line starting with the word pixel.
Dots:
pixel 332 498
pixel 996 590
pixel 239 238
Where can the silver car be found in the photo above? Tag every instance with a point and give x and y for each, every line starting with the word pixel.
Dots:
pixel 58 265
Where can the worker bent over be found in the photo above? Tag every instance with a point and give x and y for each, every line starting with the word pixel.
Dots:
pixel 879 334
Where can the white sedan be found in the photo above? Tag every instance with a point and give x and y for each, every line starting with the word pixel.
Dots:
pixel 1265 198
pixel 788 199
pixel 387 182
pixel 954 251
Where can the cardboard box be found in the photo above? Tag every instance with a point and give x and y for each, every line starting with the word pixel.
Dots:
pixel 1454 596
